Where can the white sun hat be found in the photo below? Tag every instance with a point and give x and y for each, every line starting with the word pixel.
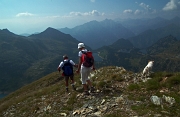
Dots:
pixel 81 45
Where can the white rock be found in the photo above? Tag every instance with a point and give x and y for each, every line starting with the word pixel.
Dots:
pixel 156 100
pixel 168 99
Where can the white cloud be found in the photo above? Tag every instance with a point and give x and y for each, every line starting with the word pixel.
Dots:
pixel 137 12
pixel 171 5
pixel 92 13
pixel 76 13
pixel 145 10
pixel 128 11
pixel 24 14
pixel 96 13
pixel 147 7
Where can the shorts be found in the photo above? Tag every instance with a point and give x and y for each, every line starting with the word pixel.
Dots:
pixel 85 72
pixel 67 77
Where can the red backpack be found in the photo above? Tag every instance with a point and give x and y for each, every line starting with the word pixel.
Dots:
pixel 87 58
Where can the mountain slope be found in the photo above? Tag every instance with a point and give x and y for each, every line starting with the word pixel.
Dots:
pixel 150 37
pixel 164 52
pixel 106 32
pixel 167 45
pixel 25 59
pixel 138 26
pixel 17 54
pixel 118 93
pixel 97 34
pixel 117 29
pixel 122 44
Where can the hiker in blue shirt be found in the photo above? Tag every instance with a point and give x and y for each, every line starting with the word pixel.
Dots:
pixel 67 66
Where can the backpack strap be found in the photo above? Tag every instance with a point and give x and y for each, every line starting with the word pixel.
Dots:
pixel 65 62
pixel 68 61
pixel 83 52
pixel 67 65
pixel 82 57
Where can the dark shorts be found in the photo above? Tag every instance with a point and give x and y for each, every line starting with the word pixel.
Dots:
pixel 67 77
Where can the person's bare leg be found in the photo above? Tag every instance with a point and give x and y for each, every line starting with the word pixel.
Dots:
pixel 72 82
pixel 85 87
pixel 90 86
pixel 66 83
pixel 89 83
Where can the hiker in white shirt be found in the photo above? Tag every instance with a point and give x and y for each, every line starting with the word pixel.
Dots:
pixel 67 74
pixel 85 71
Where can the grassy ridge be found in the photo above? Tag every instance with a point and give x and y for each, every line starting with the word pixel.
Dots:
pixel 48 94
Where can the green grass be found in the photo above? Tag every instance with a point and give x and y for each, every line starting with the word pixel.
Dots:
pixel 50 90
pixel 100 84
pixel 133 87
pixel 153 86
pixel 141 109
pixel 113 115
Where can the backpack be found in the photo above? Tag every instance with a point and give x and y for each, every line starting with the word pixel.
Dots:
pixel 67 68
pixel 87 58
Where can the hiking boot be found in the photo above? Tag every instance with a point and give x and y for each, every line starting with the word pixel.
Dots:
pixel 74 88
pixel 92 89
pixel 86 93
pixel 67 90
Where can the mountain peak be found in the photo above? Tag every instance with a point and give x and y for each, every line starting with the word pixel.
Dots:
pixel 108 20
pixel 6 31
pixel 49 33
pixel 93 22
pixel 49 29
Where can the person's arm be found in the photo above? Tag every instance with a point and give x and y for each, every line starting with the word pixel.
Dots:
pixel 79 65
pixel 93 67
pixel 76 65
pixel 73 63
pixel 59 67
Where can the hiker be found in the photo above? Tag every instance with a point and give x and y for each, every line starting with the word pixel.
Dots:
pixel 85 69
pixel 67 66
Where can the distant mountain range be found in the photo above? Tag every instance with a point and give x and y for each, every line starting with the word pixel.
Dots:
pixel 142 33
pixel 24 59
pixel 97 34
pixel 138 26
pixel 150 36
pixel 165 53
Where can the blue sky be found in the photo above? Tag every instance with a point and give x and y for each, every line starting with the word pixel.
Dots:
pixel 29 16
